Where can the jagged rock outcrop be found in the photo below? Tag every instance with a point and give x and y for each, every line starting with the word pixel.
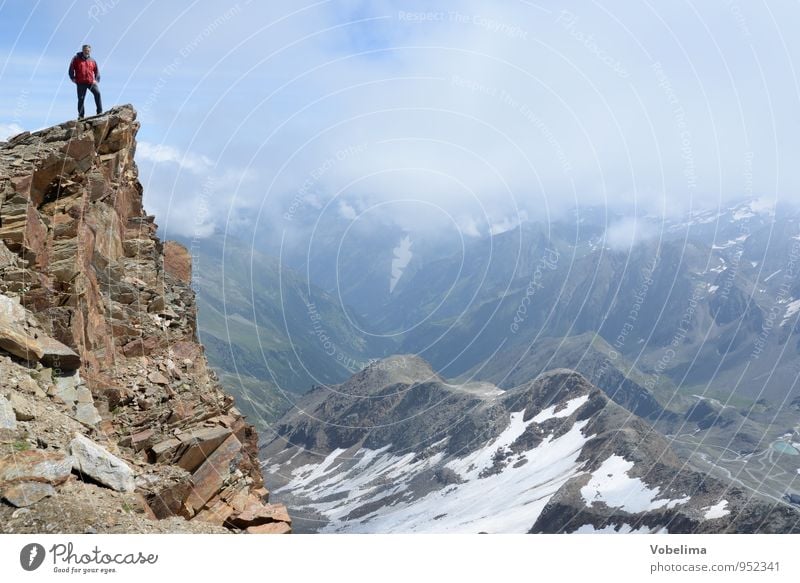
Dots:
pixel 100 368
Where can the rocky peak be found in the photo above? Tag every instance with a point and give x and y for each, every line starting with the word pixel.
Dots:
pixel 551 455
pixel 400 369
pixel 104 381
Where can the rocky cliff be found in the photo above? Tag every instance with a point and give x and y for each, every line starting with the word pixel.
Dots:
pixel 110 419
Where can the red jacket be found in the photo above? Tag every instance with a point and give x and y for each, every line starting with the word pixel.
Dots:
pixel 83 70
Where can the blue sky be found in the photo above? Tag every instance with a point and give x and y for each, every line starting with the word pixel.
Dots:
pixel 487 112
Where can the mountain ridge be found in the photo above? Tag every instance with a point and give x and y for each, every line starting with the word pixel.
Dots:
pixel 418 456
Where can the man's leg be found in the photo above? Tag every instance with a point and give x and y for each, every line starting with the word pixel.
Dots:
pixel 97 101
pixel 81 96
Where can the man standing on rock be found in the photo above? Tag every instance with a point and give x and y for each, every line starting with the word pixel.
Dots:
pixel 85 74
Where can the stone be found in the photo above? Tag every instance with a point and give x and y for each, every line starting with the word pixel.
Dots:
pixel 117 397
pixel 35 466
pixel 209 477
pixel 19 344
pixel 27 493
pixel 144 404
pixel 216 512
pixel 57 355
pixel 178 261
pixel 79 149
pixel 8 418
pixel 101 465
pixel 23 409
pixel 145 507
pixel 143 346
pixel 186 351
pixel 270 528
pixel 199 444
pixel 169 501
pixel 180 411
pixel 262 493
pixel 29 386
pixel 12 313
pixel 156 304
pixel 163 451
pixel 138 441
pixel 84 395
pixel 157 378
pixel 68 381
pixel 241 500
pixel 257 514
pixel 65 388
pixel 87 413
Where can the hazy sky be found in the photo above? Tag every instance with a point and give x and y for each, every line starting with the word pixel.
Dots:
pixel 470 113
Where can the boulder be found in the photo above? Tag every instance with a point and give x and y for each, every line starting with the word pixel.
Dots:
pixel 215 512
pixel 57 355
pixel 100 465
pixel 23 409
pixel 180 411
pixel 143 346
pixel 199 445
pixel 163 451
pixel 66 387
pixel 271 528
pixel 35 466
pixel 138 441
pixel 257 514
pixel 11 311
pixel 8 419
pixel 27 493
pixel 157 378
pixel 16 342
pixel 210 476
pixel 169 501
pixel 87 413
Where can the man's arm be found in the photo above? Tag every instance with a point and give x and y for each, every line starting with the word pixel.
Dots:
pixel 96 71
pixel 71 70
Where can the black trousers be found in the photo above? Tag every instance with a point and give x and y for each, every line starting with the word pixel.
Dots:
pixel 82 87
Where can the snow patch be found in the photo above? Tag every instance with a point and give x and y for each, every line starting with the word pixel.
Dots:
pixel 718 510
pixel 611 484
pixel 508 501
pixel 791 309
pixel 550 413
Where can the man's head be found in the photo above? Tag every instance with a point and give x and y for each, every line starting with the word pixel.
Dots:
pixel 87 50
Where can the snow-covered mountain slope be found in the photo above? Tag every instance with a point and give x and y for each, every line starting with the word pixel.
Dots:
pixel 398 449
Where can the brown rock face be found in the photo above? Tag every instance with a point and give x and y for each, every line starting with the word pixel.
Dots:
pixel 85 284
pixel 178 261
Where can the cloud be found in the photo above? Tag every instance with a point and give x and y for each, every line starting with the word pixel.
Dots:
pixel 8 130
pixel 346 210
pixel 164 154
pixel 625 234
pixel 468 226
pixel 480 110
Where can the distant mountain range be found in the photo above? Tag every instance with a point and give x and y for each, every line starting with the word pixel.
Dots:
pixel 689 328
pixel 399 449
